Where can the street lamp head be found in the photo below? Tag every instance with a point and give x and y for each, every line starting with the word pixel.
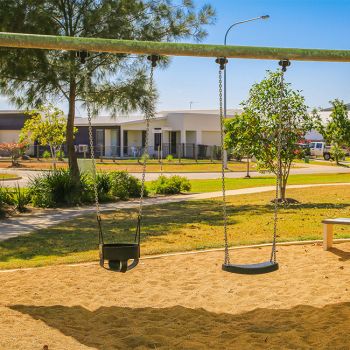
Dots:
pixel 265 17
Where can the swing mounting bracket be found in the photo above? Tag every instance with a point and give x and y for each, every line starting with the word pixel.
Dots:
pixel 222 61
pixel 284 64
pixel 82 55
pixel 154 59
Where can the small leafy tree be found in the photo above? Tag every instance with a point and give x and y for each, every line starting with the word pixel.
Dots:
pixel 256 129
pixel 47 126
pixel 337 131
pixel 14 149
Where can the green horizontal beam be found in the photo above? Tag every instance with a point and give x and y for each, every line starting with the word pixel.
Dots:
pixel 33 41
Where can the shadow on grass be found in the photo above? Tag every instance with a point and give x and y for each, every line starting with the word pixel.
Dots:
pixel 80 235
pixel 178 327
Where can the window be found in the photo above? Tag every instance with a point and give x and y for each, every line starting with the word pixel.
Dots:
pixel 157 141
pixel 312 145
pixel 125 142
pixel 100 140
pixel 319 145
pixel 100 133
pixel 143 138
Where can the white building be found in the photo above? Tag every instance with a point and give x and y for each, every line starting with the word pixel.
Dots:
pixel 190 133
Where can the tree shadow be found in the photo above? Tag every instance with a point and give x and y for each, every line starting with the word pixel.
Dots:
pixel 343 256
pixel 178 327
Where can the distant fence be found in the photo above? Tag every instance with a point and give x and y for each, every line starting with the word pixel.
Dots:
pixel 179 150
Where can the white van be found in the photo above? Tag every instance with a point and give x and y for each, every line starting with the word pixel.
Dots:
pixel 320 149
pixel 317 149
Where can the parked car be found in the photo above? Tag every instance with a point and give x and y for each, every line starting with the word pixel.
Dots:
pixel 320 149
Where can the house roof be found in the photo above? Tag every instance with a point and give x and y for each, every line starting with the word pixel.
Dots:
pixel 126 120
pixel 112 121
pixel 202 111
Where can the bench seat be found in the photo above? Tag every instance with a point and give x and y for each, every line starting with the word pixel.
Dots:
pixel 328 230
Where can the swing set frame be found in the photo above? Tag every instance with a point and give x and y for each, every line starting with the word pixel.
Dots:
pixel 221 52
pixel 50 42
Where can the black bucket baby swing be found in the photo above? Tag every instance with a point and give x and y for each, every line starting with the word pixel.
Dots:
pixel 118 254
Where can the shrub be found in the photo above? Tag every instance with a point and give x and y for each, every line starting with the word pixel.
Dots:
pixel 169 158
pixel 57 188
pixel 170 185
pixel 46 155
pixel 18 197
pixel 15 197
pixel 104 186
pixel 337 153
pixel 60 155
pixel 125 186
pixel 14 150
pixel 3 197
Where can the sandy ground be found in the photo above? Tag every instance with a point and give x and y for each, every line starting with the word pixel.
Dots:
pixel 182 302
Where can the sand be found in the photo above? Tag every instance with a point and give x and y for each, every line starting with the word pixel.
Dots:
pixel 182 302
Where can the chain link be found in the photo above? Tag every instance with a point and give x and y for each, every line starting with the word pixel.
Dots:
pixel 222 135
pixel 278 175
pixel 149 114
pixel 92 150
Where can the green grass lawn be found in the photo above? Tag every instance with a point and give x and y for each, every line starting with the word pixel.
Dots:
pixel 183 226
pixel 4 176
pixel 213 185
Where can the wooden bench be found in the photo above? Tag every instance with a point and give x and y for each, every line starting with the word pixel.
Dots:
pixel 328 230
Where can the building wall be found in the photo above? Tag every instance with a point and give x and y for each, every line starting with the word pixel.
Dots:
pixel 134 138
pixel 12 120
pixel 142 125
pixel 9 136
pixel 82 136
pixel 191 136
pixel 211 138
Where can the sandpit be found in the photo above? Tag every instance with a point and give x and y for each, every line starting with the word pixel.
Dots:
pixel 182 302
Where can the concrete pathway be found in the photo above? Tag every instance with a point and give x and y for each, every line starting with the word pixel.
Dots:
pixel 307 169
pixel 27 223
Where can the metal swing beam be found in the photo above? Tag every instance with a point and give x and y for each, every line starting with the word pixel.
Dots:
pixel 49 42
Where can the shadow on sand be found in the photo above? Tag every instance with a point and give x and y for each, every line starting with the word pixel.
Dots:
pixel 343 255
pixel 178 327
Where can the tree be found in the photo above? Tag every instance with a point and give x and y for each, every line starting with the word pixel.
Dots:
pixel 14 150
pixel 337 131
pixel 257 128
pixel 47 126
pixel 238 138
pixel 117 82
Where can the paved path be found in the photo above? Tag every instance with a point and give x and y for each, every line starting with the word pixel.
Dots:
pixel 27 223
pixel 307 169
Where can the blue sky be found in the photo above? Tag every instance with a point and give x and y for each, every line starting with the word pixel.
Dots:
pixel 292 23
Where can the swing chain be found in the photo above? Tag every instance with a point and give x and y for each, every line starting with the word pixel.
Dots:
pixel 284 64
pixel 149 114
pixel 83 55
pixel 222 61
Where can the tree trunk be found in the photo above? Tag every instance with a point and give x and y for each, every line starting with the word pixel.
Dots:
pixel 283 187
pixel 72 157
pixel 53 155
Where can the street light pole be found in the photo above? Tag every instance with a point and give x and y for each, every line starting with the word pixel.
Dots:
pixel 225 42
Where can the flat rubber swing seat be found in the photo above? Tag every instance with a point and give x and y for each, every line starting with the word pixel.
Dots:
pixel 251 269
